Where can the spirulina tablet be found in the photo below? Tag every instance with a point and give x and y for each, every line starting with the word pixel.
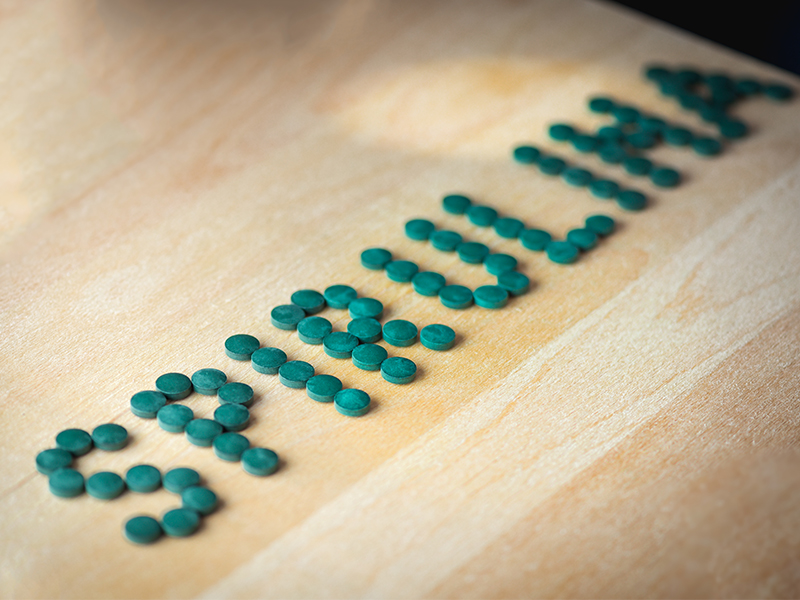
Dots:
pixel 400 333
pixel 652 125
pixel 499 263
pixel 268 360
pixel 551 165
pixel 626 114
pixel 604 188
pixel 437 337
pixel 200 499
pixel 339 296
pixel 490 296
pixel 201 432
pixel 241 346
pixel 472 252
pixel 456 296
pixel 778 91
pixel 610 133
pixel 143 479
pixel 600 224
pixel 229 446
pixel 561 132
pixel 365 307
pixel 105 485
pixel 351 402
pixel 147 404
pixel 142 529
pixel 401 271
pixel 534 239
pixel 641 140
pixel 732 129
pixel 456 204
pixel 637 165
pixel 508 227
pixel 713 114
pixel 369 357
pixel 295 374
pixel 235 393
pixel 748 87
pixel 178 479
pixel 180 522
pixel 428 283
pixel 207 381
pixel 398 370
pixel 562 252
pixel 366 329
pixel 584 143
pixel 601 105
pixel 110 436
pixel 375 258
pixel 665 177
pixel 53 459
pixel 340 344
pixel 323 388
pixel 514 282
pixel 677 136
pixel 482 216
pixel 445 240
pixel 706 146
pixel 232 417
pixel 526 155
pixel 175 386
pixel 584 239
pixel 287 316
pixel 174 417
pixel 612 154
pixel 419 229
pixel 312 330
pixel 260 461
pixel 66 483
pixel 631 200
pixel 577 177
pixel 311 301
pixel 75 441
pixel 656 72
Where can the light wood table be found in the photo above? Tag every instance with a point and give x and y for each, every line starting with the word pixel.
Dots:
pixel 171 171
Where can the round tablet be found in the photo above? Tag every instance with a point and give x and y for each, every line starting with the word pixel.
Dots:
pixel 665 177
pixel 260 461
pixel 690 101
pixel 490 296
pixel 551 165
pixel 398 369
pixel 53 459
pixel 369 357
pixel 401 271
pixel 340 344
pixel 428 283
pixel 500 263
pixel 625 114
pixel 241 346
pixel 375 258
pixel 445 240
pixel 339 296
pixel 732 129
pixel 706 146
pixel 312 330
pixel 637 165
pixel 631 200
pixel 677 136
pixel 584 143
pixel 583 239
pixel 514 282
pixel 419 229
pixel 232 417
pixel 778 91
pixel 577 177
pixel 235 393
pixel 323 388
pixel 713 114
pixel 600 224
pixel 229 446
pixel 748 87
pixel 456 204
pixel 105 485
pixel 612 154
pixel 652 125
pixel 472 252
pixel 601 105
pixel 437 337
pixel 352 403
pixel 527 155
pixel 641 140
pixel 268 360
pixel 656 72
pixel 400 333
pixel 366 329
pixel 287 316
pixel 508 227
pixel 603 188
pixel 562 252
pixel 482 216
pixel 295 374
pixel 207 381
pixel 174 417
pixel 147 404
pixel 175 386
pixel 66 483
pixel 365 307
pixel 110 436
pixel 143 479
pixel 534 239
pixel 561 132
pixel 75 441
pixel 199 498
pixel 609 133
pixel 142 530
pixel 180 522
pixel 201 432
pixel 311 301
pixel 178 479
pixel 455 296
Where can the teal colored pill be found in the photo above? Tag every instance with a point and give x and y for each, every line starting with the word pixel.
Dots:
pixel 490 296
pixel 366 329
pixel 143 479
pixel 456 204
pixel 561 132
pixel 142 529
pixel 322 388
pixel 340 344
pixel 514 282
pixel 656 72
pixel 260 461
pixel 499 263
pixel 352 403
pixel 232 417
pixel 600 224
pixel 677 136
pixel 268 360
pixel 398 370
pixel 641 140
pixel 535 239
pixel 110 437
pixel 732 129
pixel 53 459
pixel 75 441
pixel 241 346
pixel 445 240
pixel 748 87
pixel 66 483
pixel 456 296
pixel 637 165
pixel 201 432
pixel 551 165
pixel 147 404
pixel 631 200
pixel 612 154
pixel 207 381
pixel 401 271
pixel 229 446
pixel 562 252
pixel 312 330
pixel 713 114
pixel 690 101
pixel 777 91
pixel 526 155
pixel 508 227
pixel 311 301
pixel 688 77
pixel 235 393
pixel 339 296
pixel 472 252
pixel 178 479
pixel 295 374
pixel 604 188
pixel 105 485
pixel 180 522
pixel 419 229
pixel 400 333
pixel 577 177
pixel 601 105
pixel 365 308
pixel 174 386
pixel 652 125
pixel 482 216
pixel 200 499
pixel 706 146
pixel 584 239
pixel 287 316
pixel 609 133
pixel 584 143
pixel 428 283
pixel 369 357
pixel 174 417
pixel 626 114
pixel 665 177
pixel 375 258
pixel 437 337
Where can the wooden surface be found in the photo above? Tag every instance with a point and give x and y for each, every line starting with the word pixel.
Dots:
pixel 169 172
